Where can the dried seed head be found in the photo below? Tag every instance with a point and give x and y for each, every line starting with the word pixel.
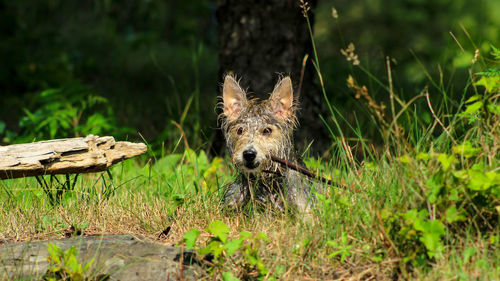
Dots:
pixel 335 14
pixel 304 5
pixel 476 56
pixel 350 54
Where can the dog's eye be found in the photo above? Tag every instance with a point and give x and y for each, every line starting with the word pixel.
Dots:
pixel 240 131
pixel 267 131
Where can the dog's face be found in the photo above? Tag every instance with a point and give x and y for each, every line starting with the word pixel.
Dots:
pixel 255 130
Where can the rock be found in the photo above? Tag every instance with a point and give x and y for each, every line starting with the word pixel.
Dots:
pixel 121 257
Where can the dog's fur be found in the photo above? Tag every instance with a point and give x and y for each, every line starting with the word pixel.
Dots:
pixel 254 130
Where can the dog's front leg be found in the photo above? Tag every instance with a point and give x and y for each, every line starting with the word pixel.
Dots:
pixel 235 196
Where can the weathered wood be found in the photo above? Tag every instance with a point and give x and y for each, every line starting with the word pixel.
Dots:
pixel 65 156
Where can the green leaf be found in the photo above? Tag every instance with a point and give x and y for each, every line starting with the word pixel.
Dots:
pixel 214 247
pixel 452 215
pixel 423 156
pixel 495 52
pixel 190 238
pixel 245 235
pixel 491 83
pixel 490 72
pixel 461 174
pixel 473 98
pixel 405 159
pixel 54 253
pixel 465 149
pixel 434 184
pixel 219 229
pixel 50 93
pixel 262 236
pixel 431 237
pixel 233 245
pixel 72 264
pixel 493 108
pixel 474 108
pixel 479 180
pixel 445 160
pixel 87 266
pixel 228 276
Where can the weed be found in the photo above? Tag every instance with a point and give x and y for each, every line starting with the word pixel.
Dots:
pixel 222 252
pixel 64 265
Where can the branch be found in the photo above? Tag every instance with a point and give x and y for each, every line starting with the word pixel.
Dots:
pixel 306 172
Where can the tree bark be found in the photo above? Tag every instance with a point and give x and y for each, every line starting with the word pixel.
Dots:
pixel 259 40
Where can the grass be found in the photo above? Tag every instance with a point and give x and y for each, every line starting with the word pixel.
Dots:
pixel 346 237
pixel 424 206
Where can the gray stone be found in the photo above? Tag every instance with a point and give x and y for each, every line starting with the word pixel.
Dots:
pixel 122 257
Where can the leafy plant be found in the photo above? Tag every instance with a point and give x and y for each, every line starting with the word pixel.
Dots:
pixel 64 265
pixel 459 190
pixel 458 187
pixel 73 110
pixel 222 251
pixel 342 249
pixel 486 105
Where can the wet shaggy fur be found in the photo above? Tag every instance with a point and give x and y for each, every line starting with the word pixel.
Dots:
pixel 254 130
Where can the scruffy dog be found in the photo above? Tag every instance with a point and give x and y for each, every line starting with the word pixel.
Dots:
pixel 254 131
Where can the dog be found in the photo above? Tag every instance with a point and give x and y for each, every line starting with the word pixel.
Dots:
pixel 254 131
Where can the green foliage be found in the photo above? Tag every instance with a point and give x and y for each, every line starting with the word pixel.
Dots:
pixel 459 188
pixel 197 172
pixel 480 107
pixel 342 249
pixel 429 232
pixel 191 237
pixel 64 265
pixel 492 72
pixel 73 110
pixel 225 253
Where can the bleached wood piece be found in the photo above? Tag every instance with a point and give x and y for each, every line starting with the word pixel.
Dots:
pixel 65 156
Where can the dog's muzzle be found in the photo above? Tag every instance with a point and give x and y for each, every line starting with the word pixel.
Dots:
pixel 249 156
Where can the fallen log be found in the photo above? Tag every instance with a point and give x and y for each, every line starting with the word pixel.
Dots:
pixel 65 156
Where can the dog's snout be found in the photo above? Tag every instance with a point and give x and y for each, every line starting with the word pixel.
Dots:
pixel 249 154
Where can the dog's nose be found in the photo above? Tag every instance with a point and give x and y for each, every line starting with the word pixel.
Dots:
pixel 249 154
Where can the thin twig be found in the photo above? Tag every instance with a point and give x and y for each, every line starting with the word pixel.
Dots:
pixel 305 171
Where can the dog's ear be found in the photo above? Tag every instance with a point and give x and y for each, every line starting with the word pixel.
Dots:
pixel 233 98
pixel 282 99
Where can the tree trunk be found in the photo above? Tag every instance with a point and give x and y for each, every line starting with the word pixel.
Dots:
pixel 259 40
